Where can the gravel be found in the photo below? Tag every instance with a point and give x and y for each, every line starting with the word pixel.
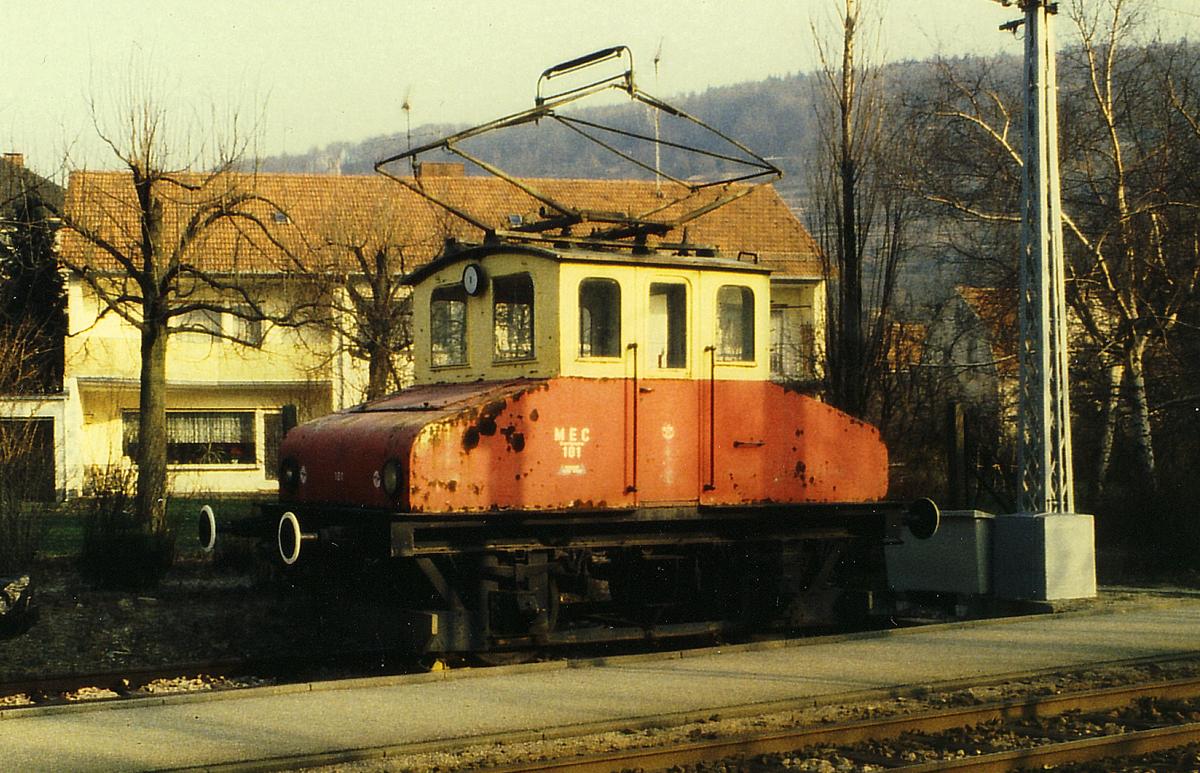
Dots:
pixel 199 614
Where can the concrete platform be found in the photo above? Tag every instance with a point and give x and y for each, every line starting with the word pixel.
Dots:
pixel 226 730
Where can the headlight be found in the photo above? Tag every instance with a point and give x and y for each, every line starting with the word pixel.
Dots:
pixel 392 477
pixel 289 474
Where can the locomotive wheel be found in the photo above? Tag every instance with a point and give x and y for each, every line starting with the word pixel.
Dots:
pixel 493 658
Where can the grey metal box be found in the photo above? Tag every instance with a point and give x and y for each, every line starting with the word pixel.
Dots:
pixel 957 559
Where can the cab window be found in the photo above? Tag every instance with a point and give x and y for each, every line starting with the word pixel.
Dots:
pixel 448 326
pixel 599 318
pixel 512 317
pixel 735 324
pixel 667 336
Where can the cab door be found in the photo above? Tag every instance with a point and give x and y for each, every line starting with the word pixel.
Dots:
pixel 666 414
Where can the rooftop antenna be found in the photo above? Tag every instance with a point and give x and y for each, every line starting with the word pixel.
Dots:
pixel 657 144
pixel 406 106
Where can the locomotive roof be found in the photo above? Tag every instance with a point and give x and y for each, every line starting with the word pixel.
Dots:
pixel 680 257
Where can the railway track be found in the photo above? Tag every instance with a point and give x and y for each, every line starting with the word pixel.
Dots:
pixel 1030 733
pixel 1041 732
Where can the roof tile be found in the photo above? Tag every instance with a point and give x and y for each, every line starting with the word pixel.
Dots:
pixel 306 219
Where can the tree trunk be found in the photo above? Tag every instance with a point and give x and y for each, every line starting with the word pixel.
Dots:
pixel 1108 428
pixel 1143 435
pixel 152 425
pixel 850 377
pixel 379 369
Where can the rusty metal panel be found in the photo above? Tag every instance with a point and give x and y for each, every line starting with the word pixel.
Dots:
pixel 768 444
pixel 341 456
pixel 559 446
pixel 666 459
pixel 590 444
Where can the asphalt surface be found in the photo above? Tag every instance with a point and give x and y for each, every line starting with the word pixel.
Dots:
pixel 238 731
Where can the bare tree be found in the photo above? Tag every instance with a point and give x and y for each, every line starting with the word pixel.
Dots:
pixel 1137 262
pixel 860 218
pixel 26 451
pixel 139 246
pixel 1129 214
pixel 370 312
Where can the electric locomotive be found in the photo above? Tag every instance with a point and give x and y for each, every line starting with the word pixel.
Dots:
pixel 593 448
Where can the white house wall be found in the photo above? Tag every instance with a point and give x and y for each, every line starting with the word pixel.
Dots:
pixel 204 375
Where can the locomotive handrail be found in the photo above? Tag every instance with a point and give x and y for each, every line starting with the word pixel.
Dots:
pixel 632 487
pixel 712 418
pixel 583 62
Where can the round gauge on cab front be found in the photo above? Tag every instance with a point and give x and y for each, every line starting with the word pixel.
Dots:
pixel 474 281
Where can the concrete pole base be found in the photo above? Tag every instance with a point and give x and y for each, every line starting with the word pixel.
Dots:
pixel 1044 557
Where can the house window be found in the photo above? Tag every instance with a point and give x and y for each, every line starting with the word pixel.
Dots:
pixel 202 321
pixel 735 324
pixel 201 437
pixel 599 318
pixel 448 326
pixel 245 328
pixel 239 324
pixel 667 336
pixel 512 297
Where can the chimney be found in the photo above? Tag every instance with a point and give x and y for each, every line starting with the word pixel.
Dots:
pixel 442 169
pixel 16 159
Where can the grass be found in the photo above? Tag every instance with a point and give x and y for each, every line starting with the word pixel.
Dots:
pixel 64 537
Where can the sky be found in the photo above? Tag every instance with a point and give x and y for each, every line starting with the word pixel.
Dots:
pixel 306 73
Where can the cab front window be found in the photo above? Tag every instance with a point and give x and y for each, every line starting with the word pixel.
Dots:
pixel 735 324
pixel 667 335
pixel 512 298
pixel 448 327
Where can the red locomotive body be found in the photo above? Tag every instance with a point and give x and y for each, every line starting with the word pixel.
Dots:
pixel 527 445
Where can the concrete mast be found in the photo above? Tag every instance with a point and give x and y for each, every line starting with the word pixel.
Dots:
pixel 1047 550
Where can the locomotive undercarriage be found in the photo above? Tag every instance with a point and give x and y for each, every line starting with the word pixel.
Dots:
pixel 494 582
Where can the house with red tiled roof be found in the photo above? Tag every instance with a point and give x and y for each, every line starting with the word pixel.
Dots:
pixel 229 373
pixel 973 337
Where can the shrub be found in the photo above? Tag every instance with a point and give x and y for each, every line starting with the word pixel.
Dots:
pixel 119 551
pixel 23 519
